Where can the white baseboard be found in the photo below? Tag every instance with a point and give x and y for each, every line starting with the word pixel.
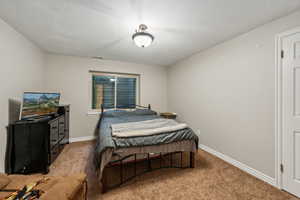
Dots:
pixel 240 165
pixel 81 139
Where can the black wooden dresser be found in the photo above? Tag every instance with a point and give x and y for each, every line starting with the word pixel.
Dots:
pixel 33 145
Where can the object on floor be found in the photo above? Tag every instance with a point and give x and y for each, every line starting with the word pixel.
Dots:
pixel 72 187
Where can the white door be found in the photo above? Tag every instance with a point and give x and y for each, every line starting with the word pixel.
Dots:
pixel 291 114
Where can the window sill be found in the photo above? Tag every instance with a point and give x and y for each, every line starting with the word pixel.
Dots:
pixel 94 113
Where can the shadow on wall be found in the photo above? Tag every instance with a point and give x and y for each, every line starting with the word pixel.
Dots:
pixel 14 109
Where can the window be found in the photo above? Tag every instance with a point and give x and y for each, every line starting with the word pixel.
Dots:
pixel 114 90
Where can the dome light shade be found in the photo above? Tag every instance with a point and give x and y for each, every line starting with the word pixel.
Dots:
pixel 141 38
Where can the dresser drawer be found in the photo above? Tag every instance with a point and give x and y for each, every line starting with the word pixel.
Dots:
pixel 61 130
pixel 54 153
pixel 54 127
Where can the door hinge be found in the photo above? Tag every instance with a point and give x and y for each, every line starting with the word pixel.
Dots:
pixel 281 168
pixel 282 54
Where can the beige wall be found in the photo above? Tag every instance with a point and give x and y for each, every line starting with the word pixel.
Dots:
pixel 21 69
pixel 228 94
pixel 70 76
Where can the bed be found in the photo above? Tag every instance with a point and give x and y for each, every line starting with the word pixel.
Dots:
pixel 113 150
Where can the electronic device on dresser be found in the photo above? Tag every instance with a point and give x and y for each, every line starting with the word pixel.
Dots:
pixel 33 144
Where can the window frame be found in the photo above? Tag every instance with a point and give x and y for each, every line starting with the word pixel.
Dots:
pixel 114 74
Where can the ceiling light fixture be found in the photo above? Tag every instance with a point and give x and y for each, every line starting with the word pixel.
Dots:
pixel 142 38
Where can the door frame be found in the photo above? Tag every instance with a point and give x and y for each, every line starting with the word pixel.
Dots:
pixel 278 104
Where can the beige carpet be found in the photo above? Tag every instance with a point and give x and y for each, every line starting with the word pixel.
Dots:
pixel 212 179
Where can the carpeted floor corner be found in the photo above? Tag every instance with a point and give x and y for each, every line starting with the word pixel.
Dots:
pixel 212 179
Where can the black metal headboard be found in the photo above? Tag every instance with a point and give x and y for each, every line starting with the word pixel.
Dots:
pixel 136 106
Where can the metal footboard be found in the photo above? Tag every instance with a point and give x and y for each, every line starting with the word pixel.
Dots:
pixel 121 163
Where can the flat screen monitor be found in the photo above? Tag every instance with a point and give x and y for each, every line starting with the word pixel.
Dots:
pixel 37 104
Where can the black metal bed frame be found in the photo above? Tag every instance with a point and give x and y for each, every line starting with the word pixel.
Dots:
pixel 120 163
pixel 148 107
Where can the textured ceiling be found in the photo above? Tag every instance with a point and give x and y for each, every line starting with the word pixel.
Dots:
pixel 104 27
